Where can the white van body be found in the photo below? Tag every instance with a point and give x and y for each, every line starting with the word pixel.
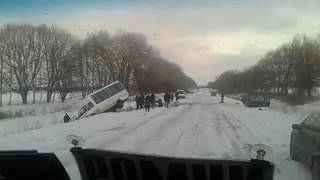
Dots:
pixel 109 97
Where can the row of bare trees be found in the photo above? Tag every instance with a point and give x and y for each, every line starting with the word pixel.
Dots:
pixel 49 58
pixel 291 69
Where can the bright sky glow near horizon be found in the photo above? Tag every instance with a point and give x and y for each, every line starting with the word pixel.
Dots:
pixel 205 37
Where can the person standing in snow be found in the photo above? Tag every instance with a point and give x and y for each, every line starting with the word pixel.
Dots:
pixel 222 97
pixel 171 97
pixel 166 100
pixel 153 100
pixel 142 99
pixel 66 118
pixel 137 99
pixel 177 96
pixel 147 103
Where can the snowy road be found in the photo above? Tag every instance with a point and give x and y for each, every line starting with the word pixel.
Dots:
pixel 198 126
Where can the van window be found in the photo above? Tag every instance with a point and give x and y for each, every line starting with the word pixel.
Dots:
pixel 119 86
pixel 107 92
pixel 90 105
pixel 113 89
pixel 95 98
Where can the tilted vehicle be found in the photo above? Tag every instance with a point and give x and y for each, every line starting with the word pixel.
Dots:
pixel 108 98
pixel 305 142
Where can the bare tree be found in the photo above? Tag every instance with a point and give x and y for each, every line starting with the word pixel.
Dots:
pixel 59 46
pixel 23 47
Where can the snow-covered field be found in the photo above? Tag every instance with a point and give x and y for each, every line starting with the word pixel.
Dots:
pixel 198 126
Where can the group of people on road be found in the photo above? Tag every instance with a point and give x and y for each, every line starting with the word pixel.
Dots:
pixel 149 101
pixel 146 102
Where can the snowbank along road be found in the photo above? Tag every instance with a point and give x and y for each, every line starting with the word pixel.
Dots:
pixel 198 126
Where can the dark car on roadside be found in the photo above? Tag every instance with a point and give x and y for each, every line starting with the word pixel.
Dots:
pixel 181 94
pixel 244 98
pixel 305 143
pixel 188 91
pixel 255 100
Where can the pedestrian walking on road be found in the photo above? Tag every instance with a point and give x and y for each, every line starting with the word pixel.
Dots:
pixel 171 97
pixel 166 100
pixel 177 96
pixel 153 100
pixel 66 118
pixel 147 103
pixel 222 97
pixel 137 99
pixel 142 99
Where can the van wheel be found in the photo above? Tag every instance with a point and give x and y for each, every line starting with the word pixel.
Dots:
pixel 119 104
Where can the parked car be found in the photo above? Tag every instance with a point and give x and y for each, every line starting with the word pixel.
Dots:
pixel 181 94
pixel 188 91
pixel 213 92
pixel 110 97
pixel 255 100
pixel 244 98
pixel 305 142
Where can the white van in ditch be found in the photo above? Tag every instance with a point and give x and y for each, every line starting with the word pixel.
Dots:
pixel 108 98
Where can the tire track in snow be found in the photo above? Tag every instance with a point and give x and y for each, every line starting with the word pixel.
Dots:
pixel 229 129
pixel 251 133
pixel 104 132
pixel 161 130
pixel 131 131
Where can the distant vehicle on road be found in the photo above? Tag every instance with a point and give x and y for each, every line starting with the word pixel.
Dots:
pixel 255 100
pixel 305 142
pixel 181 94
pixel 108 98
pixel 213 92
pixel 188 91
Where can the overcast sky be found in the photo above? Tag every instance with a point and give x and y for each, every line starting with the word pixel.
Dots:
pixel 205 37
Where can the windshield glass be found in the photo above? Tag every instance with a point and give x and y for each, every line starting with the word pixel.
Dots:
pixel 181 78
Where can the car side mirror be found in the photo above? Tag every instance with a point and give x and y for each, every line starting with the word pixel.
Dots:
pixel 296 126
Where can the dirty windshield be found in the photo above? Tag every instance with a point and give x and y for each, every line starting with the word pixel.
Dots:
pixel 208 79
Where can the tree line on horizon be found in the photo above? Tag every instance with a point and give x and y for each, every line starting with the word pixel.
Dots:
pixel 293 69
pixel 43 57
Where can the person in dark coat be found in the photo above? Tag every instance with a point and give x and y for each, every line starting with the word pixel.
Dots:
pixel 66 118
pixel 137 99
pixel 147 103
pixel 166 100
pixel 222 97
pixel 171 97
pixel 142 101
pixel 153 100
pixel 177 96
pixel 160 103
